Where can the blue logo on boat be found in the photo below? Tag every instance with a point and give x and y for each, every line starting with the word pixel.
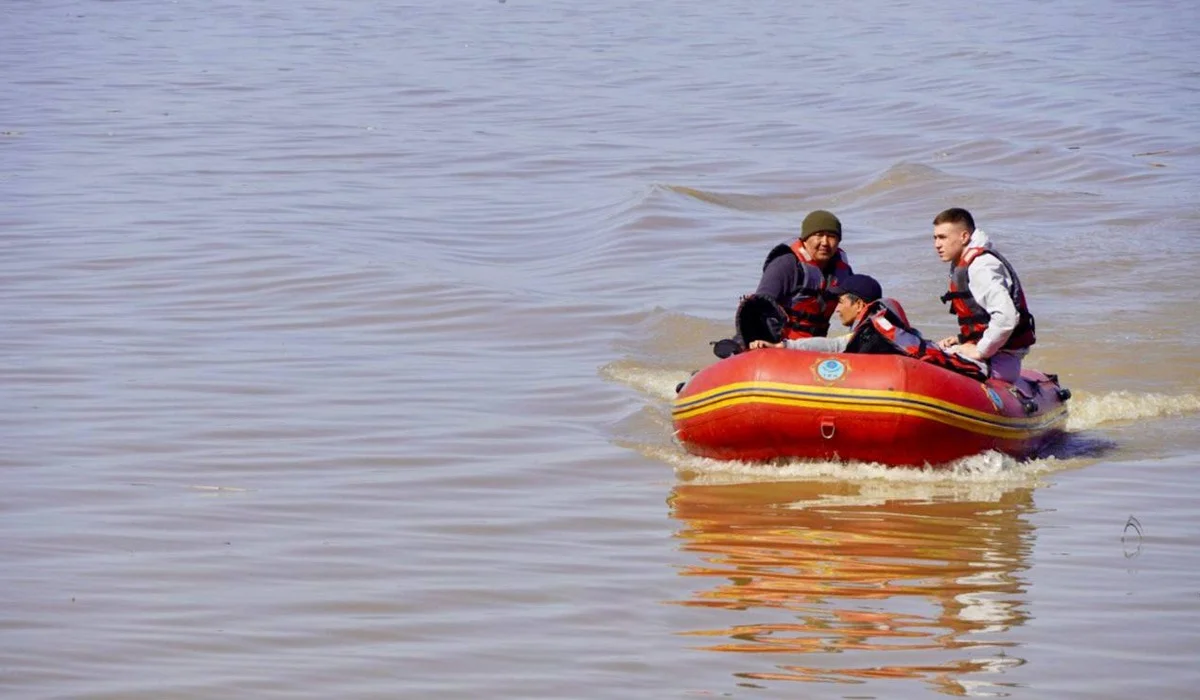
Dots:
pixel 995 397
pixel 831 370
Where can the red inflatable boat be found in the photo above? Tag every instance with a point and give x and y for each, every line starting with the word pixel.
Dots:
pixel 772 403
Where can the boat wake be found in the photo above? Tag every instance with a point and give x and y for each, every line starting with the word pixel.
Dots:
pixel 1088 412
pixel 654 383
pixel 984 471
pixel 967 477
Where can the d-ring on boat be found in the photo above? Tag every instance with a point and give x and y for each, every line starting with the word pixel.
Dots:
pixel 891 409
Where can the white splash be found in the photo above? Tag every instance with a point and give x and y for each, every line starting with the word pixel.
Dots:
pixel 655 383
pixel 1087 412
pixel 984 476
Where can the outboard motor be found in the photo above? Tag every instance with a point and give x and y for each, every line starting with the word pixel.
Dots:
pixel 757 318
pixel 760 318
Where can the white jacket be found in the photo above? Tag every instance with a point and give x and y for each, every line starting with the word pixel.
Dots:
pixel 991 285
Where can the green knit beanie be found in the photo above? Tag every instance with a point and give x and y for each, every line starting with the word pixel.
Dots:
pixel 820 220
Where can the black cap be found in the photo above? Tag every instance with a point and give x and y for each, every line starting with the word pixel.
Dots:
pixel 862 286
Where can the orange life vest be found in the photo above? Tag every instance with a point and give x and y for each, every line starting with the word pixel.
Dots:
pixel 973 319
pixel 810 305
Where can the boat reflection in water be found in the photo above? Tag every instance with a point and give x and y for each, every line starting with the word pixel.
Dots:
pixel 827 583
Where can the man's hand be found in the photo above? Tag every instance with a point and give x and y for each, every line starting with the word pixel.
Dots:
pixel 969 350
pixel 947 343
pixel 756 344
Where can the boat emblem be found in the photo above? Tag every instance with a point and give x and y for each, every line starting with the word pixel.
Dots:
pixel 831 370
pixel 995 398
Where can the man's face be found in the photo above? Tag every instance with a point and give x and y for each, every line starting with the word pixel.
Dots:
pixel 822 246
pixel 848 307
pixel 950 240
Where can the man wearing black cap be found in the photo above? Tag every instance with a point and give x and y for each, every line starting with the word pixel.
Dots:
pixel 854 295
pixel 798 275
pixel 878 326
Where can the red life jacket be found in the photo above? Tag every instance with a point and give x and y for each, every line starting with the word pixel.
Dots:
pixel 973 319
pixel 883 330
pixel 810 305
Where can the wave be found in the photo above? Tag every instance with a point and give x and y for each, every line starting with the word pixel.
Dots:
pixel 743 202
pixel 655 383
pixel 1087 412
pixel 899 177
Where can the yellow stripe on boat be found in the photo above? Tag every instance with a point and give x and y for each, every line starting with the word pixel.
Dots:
pixel 863 401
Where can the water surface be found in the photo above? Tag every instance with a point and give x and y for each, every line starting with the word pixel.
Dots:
pixel 340 341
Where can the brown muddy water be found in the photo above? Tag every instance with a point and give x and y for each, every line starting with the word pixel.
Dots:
pixel 339 343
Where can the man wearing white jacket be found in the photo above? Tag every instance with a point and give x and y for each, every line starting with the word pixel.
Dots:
pixel 985 295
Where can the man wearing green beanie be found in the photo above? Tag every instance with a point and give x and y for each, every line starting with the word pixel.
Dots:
pixel 799 275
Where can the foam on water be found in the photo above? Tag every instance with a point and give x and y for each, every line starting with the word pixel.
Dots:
pixel 654 383
pixel 984 472
pixel 1121 406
